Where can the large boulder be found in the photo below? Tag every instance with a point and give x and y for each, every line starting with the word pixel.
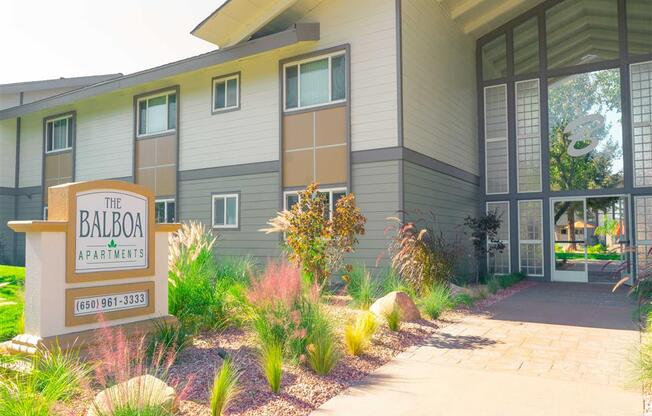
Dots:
pixel 400 300
pixel 138 392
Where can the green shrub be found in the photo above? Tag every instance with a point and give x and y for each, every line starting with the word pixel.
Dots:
pixel 271 362
pixel 393 319
pixel 436 300
pixel 362 287
pixel 493 285
pixel 167 339
pixel 464 300
pixel 21 397
pixel 225 387
pixel 358 334
pixel 643 362
pixel 322 352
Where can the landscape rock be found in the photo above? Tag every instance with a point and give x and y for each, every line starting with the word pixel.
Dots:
pixel 401 300
pixel 138 392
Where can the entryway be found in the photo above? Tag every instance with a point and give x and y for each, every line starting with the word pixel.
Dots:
pixel 590 239
pixel 552 349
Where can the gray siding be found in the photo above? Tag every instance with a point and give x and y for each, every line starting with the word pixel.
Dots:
pixel 376 187
pixel 29 208
pixel 258 202
pixel 6 235
pixel 428 193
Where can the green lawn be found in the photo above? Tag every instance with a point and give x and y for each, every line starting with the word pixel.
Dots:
pixel 591 256
pixel 12 281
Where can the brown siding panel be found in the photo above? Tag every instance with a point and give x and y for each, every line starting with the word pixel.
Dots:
pixel 298 169
pixel 330 126
pixel 298 131
pixel 331 165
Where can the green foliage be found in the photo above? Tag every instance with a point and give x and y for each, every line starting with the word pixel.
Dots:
pixel 271 362
pixel 358 334
pixel 316 240
pixel 435 301
pixel 225 387
pixel 55 376
pixel 322 351
pixel 597 249
pixel 362 287
pixel 390 281
pixel 463 299
pixel 493 285
pixel 12 283
pixel 129 410
pixel 167 339
pixel 422 256
pixel 393 319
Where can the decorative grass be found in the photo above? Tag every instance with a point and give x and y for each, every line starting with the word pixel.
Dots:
pixel 271 362
pixel 225 387
pixel 357 335
pixel 362 288
pixel 393 319
pixel 436 300
pixel 167 338
pixel 463 299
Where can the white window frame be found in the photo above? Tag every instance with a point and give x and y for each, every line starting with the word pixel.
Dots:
pixel 518 162
pixel 166 201
pixel 631 85
pixel 506 140
pixel 509 234
pixel 165 94
pixel 543 254
pixel 225 79
pixel 45 213
pixel 298 63
pixel 69 117
pixel 330 191
pixel 237 211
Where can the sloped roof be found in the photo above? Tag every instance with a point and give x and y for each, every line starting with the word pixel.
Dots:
pixel 49 84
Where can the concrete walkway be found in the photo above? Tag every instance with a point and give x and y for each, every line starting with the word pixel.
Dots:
pixel 551 349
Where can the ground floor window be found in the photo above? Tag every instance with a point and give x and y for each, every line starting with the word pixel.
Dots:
pixel 643 207
pixel 165 210
pixel 500 262
pixel 530 237
pixel 226 210
pixel 332 195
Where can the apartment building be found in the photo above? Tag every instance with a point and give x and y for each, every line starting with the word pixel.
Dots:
pixel 419 107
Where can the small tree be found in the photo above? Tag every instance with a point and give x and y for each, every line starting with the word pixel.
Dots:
pixel 484 235
pixel 315 242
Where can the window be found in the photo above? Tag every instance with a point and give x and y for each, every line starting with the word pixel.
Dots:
pixel 226 93
pixel 496 150
pixel 157 114
pixel 526 47
pixel 315 82
pixel 494 58
pixel 643 216
pixel 530 236
pixel 332 196
pixel 641 80
pixel 499 262
pixel 226 210
pixel 165 210
pixel 528 136
pixel 45 213
pixel 58 134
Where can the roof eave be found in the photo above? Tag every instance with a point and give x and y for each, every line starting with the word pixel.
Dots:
pixel 301 32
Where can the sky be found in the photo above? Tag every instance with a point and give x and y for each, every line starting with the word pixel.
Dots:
pixel 44 39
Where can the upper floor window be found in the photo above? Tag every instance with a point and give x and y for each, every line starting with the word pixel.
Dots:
pixel 315 81
pixel 225 210
pixel 226 93
pixel 58 134
pixel 157 114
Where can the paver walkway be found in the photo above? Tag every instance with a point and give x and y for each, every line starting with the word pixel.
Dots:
pixel 551 349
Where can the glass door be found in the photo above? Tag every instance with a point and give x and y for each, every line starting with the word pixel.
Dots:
pixel 568 221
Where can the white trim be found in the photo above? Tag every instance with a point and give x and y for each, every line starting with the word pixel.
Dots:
pixel 165 94
pixel 518 170
pixel 509 244
pixel 642 242
pixel 506 139
pixel 237 211
pixel 329 57
pixel 541 241
pixel 225 79
pixel 69 117
pixel 45 213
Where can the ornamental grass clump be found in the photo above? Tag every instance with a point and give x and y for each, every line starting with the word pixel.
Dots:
pixel 167 337
pixel 393 319
pixel 271 362
pixel 422 256
pixel 361 287
pixel 317 241
pixel 358 334
pixel 225 387
pixel 322 350
pixel 436 300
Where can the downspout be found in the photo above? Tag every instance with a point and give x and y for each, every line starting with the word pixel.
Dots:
pixel 14 251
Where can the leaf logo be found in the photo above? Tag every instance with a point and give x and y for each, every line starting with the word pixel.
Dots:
pixel 112 244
